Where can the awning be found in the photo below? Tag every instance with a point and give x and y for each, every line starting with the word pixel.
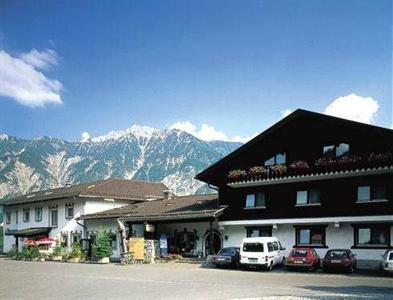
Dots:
pixel 28 232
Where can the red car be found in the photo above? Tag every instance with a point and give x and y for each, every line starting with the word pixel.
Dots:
pixel 303 258
pixel 339 259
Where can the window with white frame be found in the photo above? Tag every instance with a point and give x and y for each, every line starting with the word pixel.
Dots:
pixel 308 197
pixel 76 238
pixel 69 210
pixel 8 217
pixel 26 214
pixel 38 213
pixel 257 200
pixel 368 193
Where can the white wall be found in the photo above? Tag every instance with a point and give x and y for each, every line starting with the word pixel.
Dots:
pixel 81 206
pixel 341 237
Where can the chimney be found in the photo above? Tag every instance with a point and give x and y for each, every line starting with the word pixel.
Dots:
pixel 167 194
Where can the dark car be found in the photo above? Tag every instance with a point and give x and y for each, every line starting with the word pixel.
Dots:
pixel 339 259
pixel 303 258
pixel 227 257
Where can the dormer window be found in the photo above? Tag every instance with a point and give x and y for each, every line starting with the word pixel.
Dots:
pixel 335 150
pixel 278 159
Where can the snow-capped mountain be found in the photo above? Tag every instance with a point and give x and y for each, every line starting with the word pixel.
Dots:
pixel 139 152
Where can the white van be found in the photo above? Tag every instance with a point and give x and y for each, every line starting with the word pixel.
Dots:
pixel 264 252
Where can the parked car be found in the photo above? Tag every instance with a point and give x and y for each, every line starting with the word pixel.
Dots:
pixel 229 256
pixel 387 261
pixel 339 259
pixel 303 258
pixel 265 252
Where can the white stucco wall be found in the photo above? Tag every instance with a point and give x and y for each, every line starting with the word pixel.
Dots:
pixel 341 237
pixel 81 206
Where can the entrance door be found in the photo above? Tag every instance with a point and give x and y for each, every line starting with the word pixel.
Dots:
pixel 213 243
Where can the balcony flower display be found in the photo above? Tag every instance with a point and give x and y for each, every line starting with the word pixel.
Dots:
pixel 237 174
pixel 380 159
pixel 348 162
pixel 257 171
pixel 325 164
pixel 278 169
pixel 299 166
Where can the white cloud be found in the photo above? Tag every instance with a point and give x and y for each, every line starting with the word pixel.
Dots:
pixel 286 112
pixel 354 107
pixel 207 132
pixel 85 136
pixel 21 79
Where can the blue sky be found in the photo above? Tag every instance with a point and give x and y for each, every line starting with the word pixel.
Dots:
pixel 74 66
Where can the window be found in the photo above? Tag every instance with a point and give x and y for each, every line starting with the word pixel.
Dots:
pixel 368 193
pixel 253 247
pixel 259 231
pixel 376 235
pixel 113 241
pixel 270 247
pixel 310 236
pixel 75 238
pixel 308 197
pixel 26 215
pixel 53 217
pixel 278 159
pixel 64 240
pixel 336 150
pixel 16 216
pixel 38 213
pixel 275 246
pixel 69 211
pixel 8 217
pixel 255 200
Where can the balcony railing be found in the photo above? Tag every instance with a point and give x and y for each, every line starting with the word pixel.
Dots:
pixel 346 164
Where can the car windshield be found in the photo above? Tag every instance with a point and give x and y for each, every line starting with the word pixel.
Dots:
pixel 337 254
pixel 227 251
pixel 391 256
pixel 253 247
pixel 299 253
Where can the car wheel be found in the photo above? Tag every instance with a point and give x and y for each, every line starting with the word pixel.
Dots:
pixel 312 268
pixel 350 269
pixel 288 268
pixel 270 267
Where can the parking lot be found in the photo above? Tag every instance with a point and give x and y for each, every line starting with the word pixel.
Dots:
pixel 50 280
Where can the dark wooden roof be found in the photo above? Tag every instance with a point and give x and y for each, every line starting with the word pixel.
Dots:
pixel 207 174
pixel 110 188
pixel 178 208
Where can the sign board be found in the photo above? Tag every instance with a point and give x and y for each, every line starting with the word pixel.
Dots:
pixel 136 248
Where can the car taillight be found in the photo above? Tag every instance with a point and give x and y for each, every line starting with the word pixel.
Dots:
pixel 266 258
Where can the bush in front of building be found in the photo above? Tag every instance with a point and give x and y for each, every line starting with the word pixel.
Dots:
pixel 58 252
pixel 13 252
pixel 25 253
pixel 35 253
pixel 101 247
pixel 76 253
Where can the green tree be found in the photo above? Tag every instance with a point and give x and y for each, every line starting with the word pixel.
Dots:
pixel 35 252
pixel 101 246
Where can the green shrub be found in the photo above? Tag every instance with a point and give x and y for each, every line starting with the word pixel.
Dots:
pixel 25 253
pixel 13 252
pixel 58 250
pixel 35 252
pixel 76 251
pixel 101 246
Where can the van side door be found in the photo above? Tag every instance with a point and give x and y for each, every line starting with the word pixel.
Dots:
pixel 276 253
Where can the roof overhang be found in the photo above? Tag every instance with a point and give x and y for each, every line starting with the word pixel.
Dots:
pixel 313 177
pixel 28 232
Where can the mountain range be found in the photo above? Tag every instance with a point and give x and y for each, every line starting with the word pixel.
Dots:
pixel 171 156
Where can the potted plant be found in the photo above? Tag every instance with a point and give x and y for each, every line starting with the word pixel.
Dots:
pixel 25 253
pixel 278 170
pixel 75 254
pixel 380 159
pixel 299 166
pixel 237 174
pixel 35 253
pixel 42 257
pixel 57 253
pixel 348 162
pixel 257 171
pixel 101 248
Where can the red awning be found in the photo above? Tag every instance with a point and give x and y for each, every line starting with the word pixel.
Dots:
pixel 29 242
pixel 45 241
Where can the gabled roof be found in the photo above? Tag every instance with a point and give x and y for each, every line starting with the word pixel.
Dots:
pixel 110 188
pixel 178 208
pixel 299 113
